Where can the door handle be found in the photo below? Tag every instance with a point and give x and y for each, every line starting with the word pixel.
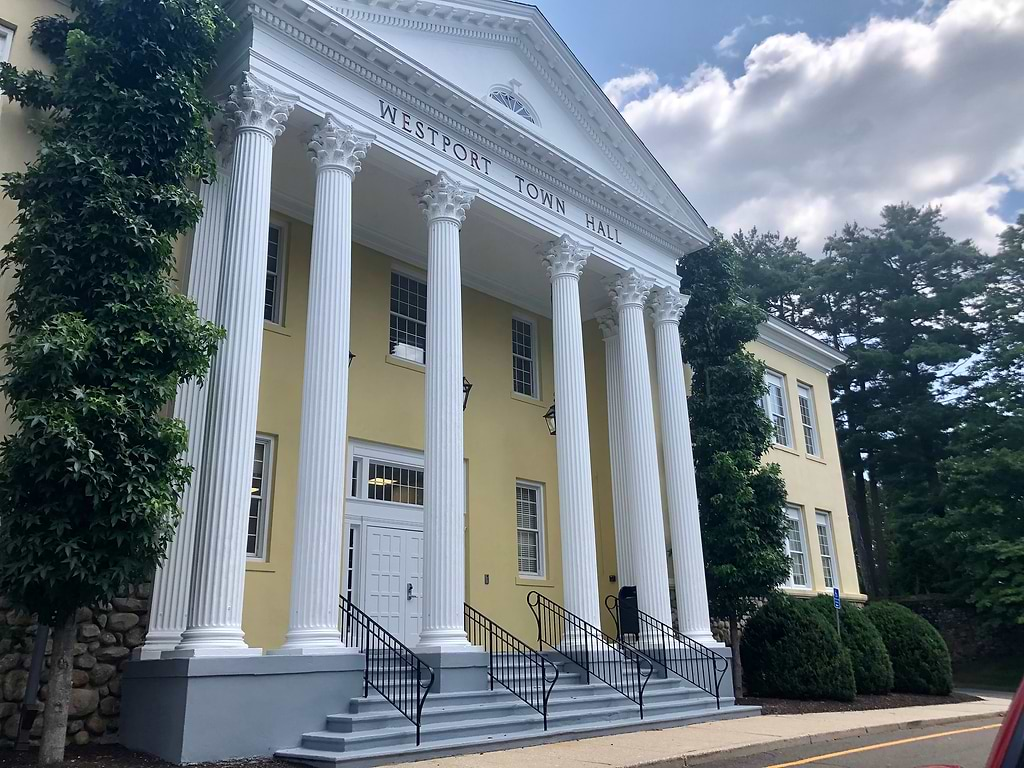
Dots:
pixel 408 591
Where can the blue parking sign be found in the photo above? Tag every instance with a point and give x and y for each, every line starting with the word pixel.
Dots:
pixel 835 597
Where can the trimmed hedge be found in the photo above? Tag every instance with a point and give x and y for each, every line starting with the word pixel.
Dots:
pixel 790 651
pixel 920 658
pixel 872 667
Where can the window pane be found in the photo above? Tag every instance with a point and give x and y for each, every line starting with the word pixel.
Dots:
pixel 523 365
pixel 397 484
pixel 528 526
pixel 825 545
pixel 258 504
pixel 795 548
pixel 272 295
pixel 408 317
pixel 775 406
pixel 807 420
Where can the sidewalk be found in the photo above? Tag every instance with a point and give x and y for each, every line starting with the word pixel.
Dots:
pixel 694 744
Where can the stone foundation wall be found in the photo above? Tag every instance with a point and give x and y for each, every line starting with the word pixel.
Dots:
pixel 960 627
pixel 106 636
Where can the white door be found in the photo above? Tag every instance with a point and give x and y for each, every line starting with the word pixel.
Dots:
pixel 393 576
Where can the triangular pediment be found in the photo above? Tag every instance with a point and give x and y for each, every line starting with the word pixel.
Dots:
pixel 486 46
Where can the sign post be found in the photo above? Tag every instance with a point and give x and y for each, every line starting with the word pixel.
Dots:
pixel 836 602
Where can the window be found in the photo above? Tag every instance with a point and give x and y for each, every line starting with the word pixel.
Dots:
pixel 806 397
pixel 259 504
pixel 6 41
pixel 273 301
pixel 383 479
pixel 508 97
pixel 524 366
pixel 529 524
pixel 775 406
pixel 408 317
pixel 827 547
pixel 796 549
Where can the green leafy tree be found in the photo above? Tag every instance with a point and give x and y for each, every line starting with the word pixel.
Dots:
pixel 773 272
pixel 741 497
pixel 89 481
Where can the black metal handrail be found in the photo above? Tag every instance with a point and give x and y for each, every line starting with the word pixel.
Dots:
pixel 512 663
pixel 674 651
pixel 621 667
pixel 394 671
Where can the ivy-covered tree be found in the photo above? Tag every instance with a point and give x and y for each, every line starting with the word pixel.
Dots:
pixel 90 479
pixel 741 498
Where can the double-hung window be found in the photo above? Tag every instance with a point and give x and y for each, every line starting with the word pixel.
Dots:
pixel 807 420
pixel 530 528
pixel 408 318
pixel 6 41
pixel 259 503
pixel 796 548
pixel 775 406
pixel 273 300
pixel 826 544
pixel 524 360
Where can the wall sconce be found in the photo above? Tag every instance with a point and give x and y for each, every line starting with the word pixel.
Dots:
pixel 351 357
pixel 549 418
pixel 466 386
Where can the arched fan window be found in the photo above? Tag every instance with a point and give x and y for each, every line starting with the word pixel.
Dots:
pixel 508 96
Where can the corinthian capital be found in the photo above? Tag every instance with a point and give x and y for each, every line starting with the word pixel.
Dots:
pixel 337 145
pixel 608 322
pixel 629 289
pixel 252 105
pixel 666 305
pixel 444 198
pixel 565 256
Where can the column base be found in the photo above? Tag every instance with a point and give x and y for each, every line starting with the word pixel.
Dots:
pixel 311 642
pixel 313 650
pixel 459 670
pixel 432 640
pixel 157 644
pixel 211 653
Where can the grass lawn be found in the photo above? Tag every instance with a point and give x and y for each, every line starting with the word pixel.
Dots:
pixel 1002 673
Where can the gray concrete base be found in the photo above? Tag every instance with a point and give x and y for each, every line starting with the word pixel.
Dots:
pixel 209 709
pixel 457 671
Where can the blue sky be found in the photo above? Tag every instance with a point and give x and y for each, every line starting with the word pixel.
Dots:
pixel 911 115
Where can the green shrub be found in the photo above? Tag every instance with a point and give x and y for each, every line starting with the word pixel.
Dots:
pixel 920 659
pixel 789 650
pixel 872 667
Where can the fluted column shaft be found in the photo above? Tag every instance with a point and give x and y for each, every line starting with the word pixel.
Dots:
pixel 565 260
pixel 621 516
pixel 336 150
pixel 444 202
pixel 680 479
pixel 168 613
pixel 650 563
pixel 215 604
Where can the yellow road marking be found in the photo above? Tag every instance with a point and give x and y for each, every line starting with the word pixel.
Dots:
pixel 809 760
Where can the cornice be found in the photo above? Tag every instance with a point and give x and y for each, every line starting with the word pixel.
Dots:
pixel 338 40
pixel 783 337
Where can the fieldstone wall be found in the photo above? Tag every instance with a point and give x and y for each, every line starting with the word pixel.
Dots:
pixel 959 625
pixel 106 636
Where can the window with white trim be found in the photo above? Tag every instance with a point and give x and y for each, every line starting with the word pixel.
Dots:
pixel 524 360
pixel 382 479
pixel 826 544
pixel 408 317
pixel 6 42
pixel 508 97
pixel 259 504
pixel 529 528
pixel 774 403
pixel 796 548
pixel 273 300
pixel 805 396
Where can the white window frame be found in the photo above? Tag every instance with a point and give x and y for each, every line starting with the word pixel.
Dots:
pixel 827 547
pixel 6 42
pixel 796 514
pixel 785 437
pixel 535 393
pixel 808 421
pixel 266 499
pixel 277 316
pixel 363 454
pixel 541 539
pixel 401 351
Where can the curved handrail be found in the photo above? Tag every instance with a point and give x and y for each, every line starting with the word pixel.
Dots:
pixel 675 652
pixel 621 667
pixel 393 670
pixel 513 663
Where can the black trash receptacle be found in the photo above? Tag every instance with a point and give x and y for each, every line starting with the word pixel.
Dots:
pixel 629 612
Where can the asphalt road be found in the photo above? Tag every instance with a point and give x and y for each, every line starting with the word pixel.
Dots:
pixel 965 744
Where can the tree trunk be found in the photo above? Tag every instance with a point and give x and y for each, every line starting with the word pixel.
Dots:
pixel 863 520
pixel 737 665
pixel 58 698
pixel 880 529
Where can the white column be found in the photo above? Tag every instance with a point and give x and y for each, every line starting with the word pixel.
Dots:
pixel 629 294
pixel 258 115
pixel 168 613
pixel 609 323
pixel 666 307
pixel 336 151
pixel 444 202
pixel 565 259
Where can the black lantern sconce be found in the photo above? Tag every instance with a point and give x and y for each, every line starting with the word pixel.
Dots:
pixel 466 387
pixel 549 418
pixel 351 357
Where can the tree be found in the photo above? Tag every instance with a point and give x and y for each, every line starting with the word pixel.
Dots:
pixel 773 272
pixel 90 479
pixel 741 498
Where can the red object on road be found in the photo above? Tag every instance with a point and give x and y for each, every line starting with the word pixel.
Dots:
pixel 1008 749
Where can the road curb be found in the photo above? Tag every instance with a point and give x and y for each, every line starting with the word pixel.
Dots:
pixel 686 761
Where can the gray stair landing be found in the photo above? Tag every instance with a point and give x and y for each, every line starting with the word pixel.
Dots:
pixel 374 733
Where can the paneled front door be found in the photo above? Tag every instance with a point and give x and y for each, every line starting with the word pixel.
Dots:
pixel 393 580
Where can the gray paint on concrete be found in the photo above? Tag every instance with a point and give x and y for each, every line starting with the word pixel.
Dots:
pixel 456 671
pixel 208 709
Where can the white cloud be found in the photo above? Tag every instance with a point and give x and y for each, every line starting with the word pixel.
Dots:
pixel 815 133
pixel 727 45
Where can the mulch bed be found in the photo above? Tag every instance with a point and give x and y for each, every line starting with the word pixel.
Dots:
pixel 888 701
